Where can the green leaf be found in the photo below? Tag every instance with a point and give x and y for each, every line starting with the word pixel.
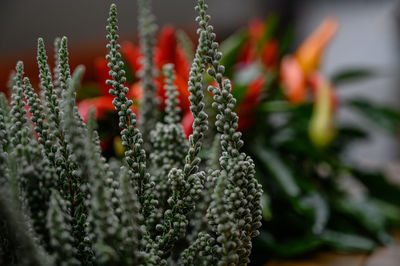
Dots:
pixel 385 117
pixel 278 168
pixel 366 213
pixel 266 207
pixel 89 90
pixel 243 78
pixel 351 75
pixel 378 186
pixel 286 41
pixel 390 211
pixel 230 49
pixel 239 92
pixel 346 135
pixel 275 106
pixel 347 242
pixel 248 74
pixel 350 133
pixel 320 209
pixel 186 43
pixel 271 26
pixel 129 72
pixel 288 248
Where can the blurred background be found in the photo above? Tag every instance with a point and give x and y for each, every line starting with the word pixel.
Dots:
pixel 333 196
pixel 368 36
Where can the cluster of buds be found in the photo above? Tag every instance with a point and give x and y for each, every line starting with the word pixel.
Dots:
pixel 62 203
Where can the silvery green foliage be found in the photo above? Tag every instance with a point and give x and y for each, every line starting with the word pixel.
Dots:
pixel 202 247
pixel 4 137
pixel 132 140
pixel 33 178
pixel 172 109
pixel 150 103
pixel 36 166
pixel 168 139
pixel 198 221
pixel 242 193
pixel 60 231
pixel 65 205
pixel 19 122
pixel 18 247
pixel 56 70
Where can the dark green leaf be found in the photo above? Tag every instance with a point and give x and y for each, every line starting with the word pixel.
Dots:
pixel 385 117
pixel 89 90
pixel 230 49
pixel 286 41
pixel 390 211
pixel 129 72
pixel 320 209
pixel 367 214
pixel 266 207
pixel 346 135
pixel 288 248
pixel 275 106
pixel 378 186
pixel 271 25
pixel 354 74
pixel 280 171
pixel 348 242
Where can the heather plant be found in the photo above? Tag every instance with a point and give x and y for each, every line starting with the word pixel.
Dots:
pixel 62 203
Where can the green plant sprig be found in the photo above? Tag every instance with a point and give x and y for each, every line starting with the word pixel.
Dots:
pixel 77 209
